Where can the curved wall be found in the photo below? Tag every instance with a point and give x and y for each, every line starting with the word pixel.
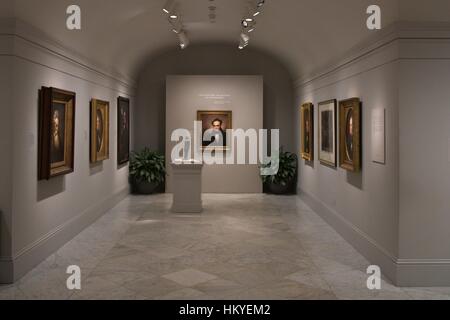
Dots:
pixel 149 115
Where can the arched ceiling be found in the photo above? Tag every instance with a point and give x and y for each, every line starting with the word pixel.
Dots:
pixel 303 34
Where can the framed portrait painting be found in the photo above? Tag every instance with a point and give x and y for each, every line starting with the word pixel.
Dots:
pixel 327 133
pixel 56 133
pixel 214 129
pixel 99 146
pixel 307 131
pixel 123 130
pixel 350 134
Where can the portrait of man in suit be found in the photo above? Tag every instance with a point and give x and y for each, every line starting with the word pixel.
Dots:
pixel 214 128
pixel 215 136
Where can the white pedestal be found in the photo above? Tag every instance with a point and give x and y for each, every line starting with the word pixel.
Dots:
pixel 187 187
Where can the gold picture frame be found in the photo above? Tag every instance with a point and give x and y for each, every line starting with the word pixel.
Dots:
pixel 327 142
pixel 350 134
pixel 99 123
pixel 219 120
pixel 307 131
pixel 56 133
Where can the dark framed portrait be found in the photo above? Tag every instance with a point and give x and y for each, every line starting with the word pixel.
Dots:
pixel 214 129
pixel 123 130
pixel 307 131
pixel 56 132
pixel 99 146
pixel 327 133
pixel 350 134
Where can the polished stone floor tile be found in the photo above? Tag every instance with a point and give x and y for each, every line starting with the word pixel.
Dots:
pixel 243 246
pixel 190 277
pixel 152 287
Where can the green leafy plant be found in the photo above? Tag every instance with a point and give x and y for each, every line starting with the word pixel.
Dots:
pixel 147 166
pixel 286 171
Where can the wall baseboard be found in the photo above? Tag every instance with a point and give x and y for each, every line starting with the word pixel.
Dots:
pixel 356 237
pixel 13 268
pixel 6 271
pixel 402 272
pixel 423 273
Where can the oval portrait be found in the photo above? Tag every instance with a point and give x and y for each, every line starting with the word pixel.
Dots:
pixel 99 130
pixel 349 135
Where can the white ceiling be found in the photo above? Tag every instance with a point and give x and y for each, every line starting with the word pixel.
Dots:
pixel 304 34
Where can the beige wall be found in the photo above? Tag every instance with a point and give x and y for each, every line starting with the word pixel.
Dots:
pixel 425 152
pixel 46 214
pixel 397 214
pixel 5 158
pixel 367 202
pixel 243 95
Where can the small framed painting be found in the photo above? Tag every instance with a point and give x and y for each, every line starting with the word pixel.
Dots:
pixel 307 131
pixel 123 130
pixel 214 129
pixel 327 133
pixel 99 130
pixel 56 133
pixel 350 134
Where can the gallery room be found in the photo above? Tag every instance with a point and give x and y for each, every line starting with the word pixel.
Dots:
pixel 224 150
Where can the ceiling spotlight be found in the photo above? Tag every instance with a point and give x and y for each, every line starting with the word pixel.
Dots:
pixel 260 3
pixel 184 41
pixel 169 6
pixel 244 23
pixel 251 30
pixel 173 16
pixel 256 13
pixel 249 19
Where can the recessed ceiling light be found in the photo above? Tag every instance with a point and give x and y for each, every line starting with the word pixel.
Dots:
pixel 256 13
pixel 249 19
pixel 251 30
pixel 173 16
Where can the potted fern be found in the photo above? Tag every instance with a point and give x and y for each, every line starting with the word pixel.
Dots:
pixel 147 171
pixel 284 180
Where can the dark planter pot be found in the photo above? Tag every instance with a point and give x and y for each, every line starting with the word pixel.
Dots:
pixel 280 189
pixel 138 187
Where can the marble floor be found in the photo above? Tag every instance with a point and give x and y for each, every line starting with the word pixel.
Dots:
pixel 241 247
